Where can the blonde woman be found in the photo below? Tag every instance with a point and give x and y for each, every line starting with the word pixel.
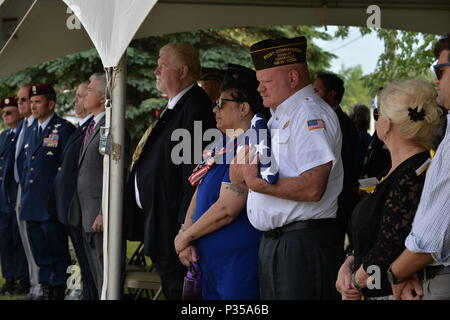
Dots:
pixel 406 119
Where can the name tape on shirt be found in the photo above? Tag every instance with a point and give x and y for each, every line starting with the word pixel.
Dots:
pixel 315 124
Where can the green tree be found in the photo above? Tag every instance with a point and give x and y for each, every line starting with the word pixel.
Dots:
pixel 356 91
pixel 406 55
pixel 217 47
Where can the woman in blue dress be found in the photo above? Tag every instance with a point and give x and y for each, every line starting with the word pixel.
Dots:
pixel 217 233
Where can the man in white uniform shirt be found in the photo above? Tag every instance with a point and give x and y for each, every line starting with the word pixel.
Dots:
pixel 299 254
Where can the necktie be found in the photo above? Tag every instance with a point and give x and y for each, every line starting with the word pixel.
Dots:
pixel 140 146
pixel 89 130
pixel 38 134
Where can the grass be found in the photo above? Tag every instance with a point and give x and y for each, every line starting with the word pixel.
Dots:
pixel 12 297
pixel 131 248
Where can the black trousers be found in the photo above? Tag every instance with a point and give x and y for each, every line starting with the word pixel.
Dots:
pixel 93 246
pixel 89 288
pixel 50 248
pixel 172 273
pixel 12 255
pixel 301 264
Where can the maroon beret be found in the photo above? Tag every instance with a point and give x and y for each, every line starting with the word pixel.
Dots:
pixel 41 89
pixel 8 102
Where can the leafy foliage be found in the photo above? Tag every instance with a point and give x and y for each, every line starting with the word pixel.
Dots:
pixel 217 47
pixel 406 55
pixel 355 89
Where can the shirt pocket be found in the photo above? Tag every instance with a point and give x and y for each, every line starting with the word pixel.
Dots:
pixel 283 136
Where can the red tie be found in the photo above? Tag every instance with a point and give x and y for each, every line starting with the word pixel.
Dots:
pixel 89 130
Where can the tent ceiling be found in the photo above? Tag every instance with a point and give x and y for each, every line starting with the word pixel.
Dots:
pixel 44 34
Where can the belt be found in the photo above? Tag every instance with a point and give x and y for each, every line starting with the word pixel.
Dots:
pixel 430 272
pixel 298 225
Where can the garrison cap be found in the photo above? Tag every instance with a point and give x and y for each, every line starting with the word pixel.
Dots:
pixel 271 53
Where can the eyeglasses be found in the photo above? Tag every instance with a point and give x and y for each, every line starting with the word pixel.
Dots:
pixel 438 71
pixel 7 113
pixel 22 99
pixel 376 114
pixel 220 102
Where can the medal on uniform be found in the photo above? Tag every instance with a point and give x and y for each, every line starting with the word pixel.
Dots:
pixel 51 141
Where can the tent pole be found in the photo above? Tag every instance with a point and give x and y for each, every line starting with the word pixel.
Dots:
pixel 116 185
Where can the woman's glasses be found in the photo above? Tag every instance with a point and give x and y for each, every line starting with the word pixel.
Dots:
pixel 220 102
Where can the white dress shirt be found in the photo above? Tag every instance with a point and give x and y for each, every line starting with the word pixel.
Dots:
pixel 298 147
pixel 98 118
pixel 44 124
pixel 84 120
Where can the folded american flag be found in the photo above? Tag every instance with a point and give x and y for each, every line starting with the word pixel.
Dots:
pixel 209 160
pixel 258 138
pixel 202 169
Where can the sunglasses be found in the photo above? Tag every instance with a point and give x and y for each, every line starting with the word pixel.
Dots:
pixel 220 102
pixel 7 113
pixel 376 114
pixel 438 70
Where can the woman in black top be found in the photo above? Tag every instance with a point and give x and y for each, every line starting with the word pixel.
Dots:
pixel 406 118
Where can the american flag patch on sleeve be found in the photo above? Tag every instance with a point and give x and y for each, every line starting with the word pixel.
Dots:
pixel 315 124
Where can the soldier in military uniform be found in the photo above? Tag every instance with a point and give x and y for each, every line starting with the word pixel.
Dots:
pixel 26 127
pixel 13 259
pixel 48 237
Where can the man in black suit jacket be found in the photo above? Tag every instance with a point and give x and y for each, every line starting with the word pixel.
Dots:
pixel 64 190
pixel 331 89
pixel 158 190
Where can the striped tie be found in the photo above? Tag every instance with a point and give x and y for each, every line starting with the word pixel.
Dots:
pixel 89 130
pixel 141 144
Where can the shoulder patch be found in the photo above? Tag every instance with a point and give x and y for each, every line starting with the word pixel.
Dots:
pixel 315 124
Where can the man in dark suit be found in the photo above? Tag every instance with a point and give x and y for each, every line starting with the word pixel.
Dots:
pixel 331 89
pixel 65 186
pixel 27 125
pixel 13 259
pixel 158 190
pixel 48 237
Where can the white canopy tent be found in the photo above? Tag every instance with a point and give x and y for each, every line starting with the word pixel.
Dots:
pixel 33 31
pixel 46 25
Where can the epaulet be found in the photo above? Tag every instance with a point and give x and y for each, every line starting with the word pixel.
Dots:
pixel 309 101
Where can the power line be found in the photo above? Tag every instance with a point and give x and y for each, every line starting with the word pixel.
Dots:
pixel 345 44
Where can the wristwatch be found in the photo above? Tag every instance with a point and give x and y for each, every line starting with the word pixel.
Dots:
pixel 392 278
pixel 354 283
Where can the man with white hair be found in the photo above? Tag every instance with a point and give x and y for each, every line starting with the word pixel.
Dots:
pixel 300 252
pixel 158 189
pixel 86 205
